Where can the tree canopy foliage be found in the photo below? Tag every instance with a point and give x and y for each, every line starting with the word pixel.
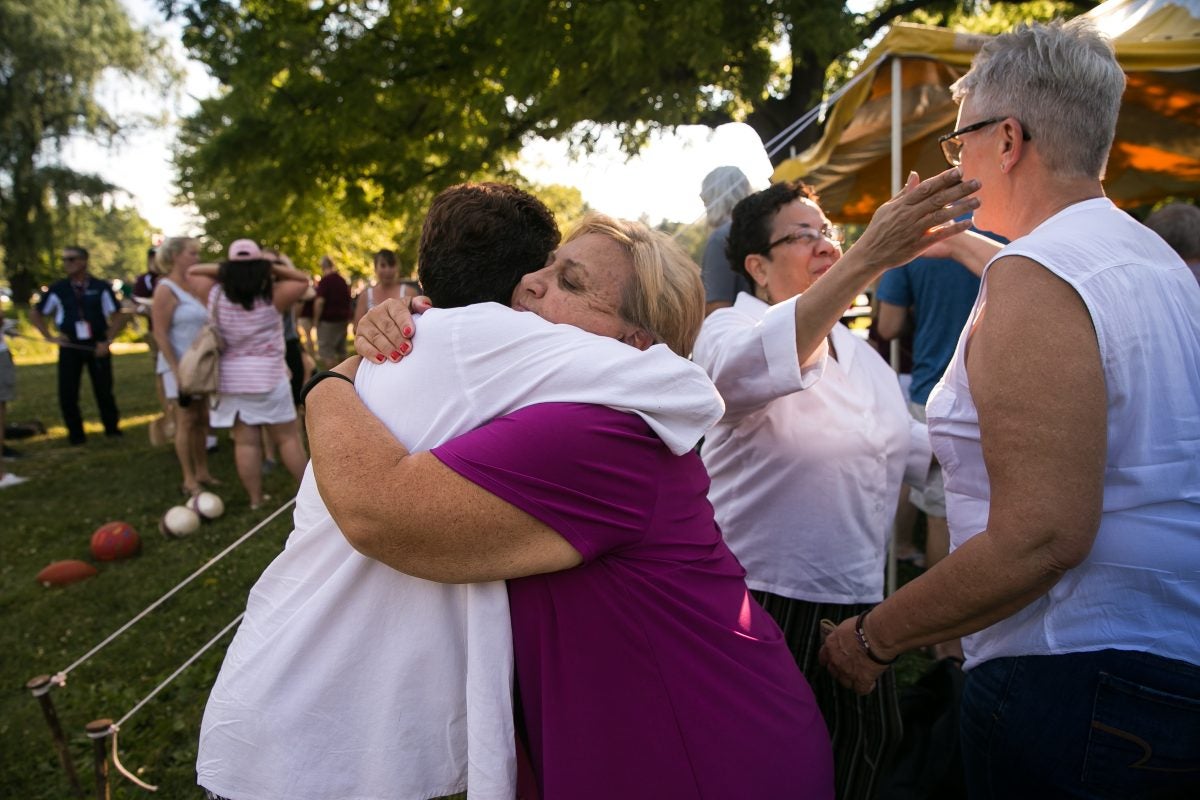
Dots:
pixel 54 55
pixel 363 109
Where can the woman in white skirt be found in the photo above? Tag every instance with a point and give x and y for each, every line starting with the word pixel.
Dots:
pixel 247 296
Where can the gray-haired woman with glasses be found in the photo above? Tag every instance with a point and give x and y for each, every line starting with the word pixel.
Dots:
pixel 807 463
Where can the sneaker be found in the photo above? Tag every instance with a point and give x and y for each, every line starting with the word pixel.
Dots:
pixel 11 480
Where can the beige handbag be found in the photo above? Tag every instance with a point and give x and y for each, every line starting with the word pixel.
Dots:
pixel 199 367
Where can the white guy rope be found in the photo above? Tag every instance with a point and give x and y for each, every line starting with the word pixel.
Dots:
pixel 115 727
pixel 60 678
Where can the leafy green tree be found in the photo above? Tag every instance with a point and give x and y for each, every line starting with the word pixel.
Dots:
pixel 691 236
pixel 116 236
pixel 363 109
pixel 53 56
pixel 565 201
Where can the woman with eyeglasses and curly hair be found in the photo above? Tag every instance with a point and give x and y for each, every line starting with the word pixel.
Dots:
pixel 806 464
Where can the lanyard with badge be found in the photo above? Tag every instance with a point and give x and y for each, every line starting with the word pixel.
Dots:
pixel 83 328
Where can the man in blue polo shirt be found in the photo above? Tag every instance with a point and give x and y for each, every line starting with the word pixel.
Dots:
pixel 82 308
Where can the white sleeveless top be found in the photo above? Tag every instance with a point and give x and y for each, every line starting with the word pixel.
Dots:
pixel 1139 588
pixel 187 319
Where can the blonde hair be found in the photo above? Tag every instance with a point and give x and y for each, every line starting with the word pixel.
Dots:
pixel 666 295
pixel 169 250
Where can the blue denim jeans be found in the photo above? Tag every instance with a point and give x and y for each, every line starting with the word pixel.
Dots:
pixel 1107 724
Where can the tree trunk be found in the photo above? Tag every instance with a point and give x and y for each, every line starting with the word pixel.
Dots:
pixel 20 229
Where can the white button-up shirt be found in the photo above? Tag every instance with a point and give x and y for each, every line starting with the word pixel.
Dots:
pixel 807 463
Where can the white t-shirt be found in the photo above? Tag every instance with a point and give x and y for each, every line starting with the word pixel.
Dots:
pixel 350 680
pixel 805 483
pixel 1139 587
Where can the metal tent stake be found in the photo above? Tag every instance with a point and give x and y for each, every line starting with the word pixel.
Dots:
pixel 98 731
pixel 40 688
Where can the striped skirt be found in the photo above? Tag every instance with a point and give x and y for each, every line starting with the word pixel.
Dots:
pixel 865 730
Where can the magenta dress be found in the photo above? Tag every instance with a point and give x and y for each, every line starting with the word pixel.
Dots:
pixel 648 671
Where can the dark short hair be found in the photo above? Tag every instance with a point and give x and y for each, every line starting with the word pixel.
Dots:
pixel 750 225
pixel 479 240
pixel 389 256
pixel 246 281
pixel 77 250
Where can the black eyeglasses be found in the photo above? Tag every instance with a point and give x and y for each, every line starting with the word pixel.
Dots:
pixel 952 145
pixel 809 236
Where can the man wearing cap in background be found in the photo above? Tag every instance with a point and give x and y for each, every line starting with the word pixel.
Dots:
pixel 332 310
pixel 82 308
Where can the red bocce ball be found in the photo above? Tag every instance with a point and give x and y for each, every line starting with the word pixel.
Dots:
pixel 114 540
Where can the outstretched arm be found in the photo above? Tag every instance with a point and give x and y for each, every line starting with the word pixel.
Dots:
pixel 972 250
pixel 450 529
pixel 38 321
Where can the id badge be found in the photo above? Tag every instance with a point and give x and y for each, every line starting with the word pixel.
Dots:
pixel 83 330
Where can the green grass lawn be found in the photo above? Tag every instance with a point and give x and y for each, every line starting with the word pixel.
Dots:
pixel 72 491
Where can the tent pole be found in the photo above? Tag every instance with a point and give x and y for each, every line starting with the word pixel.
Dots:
pixel 897 123
pixel 897 130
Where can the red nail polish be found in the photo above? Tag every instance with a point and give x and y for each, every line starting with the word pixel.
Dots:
pixel 406 330
pixel 395 355
pixel 380 357
pixel 405 347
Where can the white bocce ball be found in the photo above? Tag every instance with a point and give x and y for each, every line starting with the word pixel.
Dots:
pixel 179 521
pixel 207 505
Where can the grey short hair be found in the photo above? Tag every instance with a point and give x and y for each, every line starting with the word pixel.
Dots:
pixel 1179 226
pixel 1061 81
pixel 721 190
